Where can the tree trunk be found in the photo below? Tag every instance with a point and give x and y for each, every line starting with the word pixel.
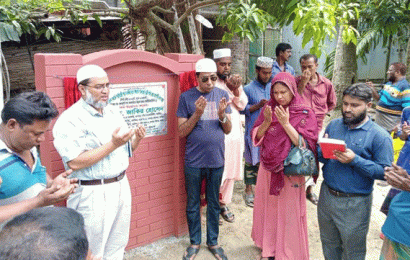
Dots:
pixel 345 67
pixel 387 65
pixel 180 35
pixel 194 35
pixel 408 59
pixel 150 34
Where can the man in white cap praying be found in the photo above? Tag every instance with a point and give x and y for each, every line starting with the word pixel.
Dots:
pixel 258 93
pixel 234 142
pixel 94 141
pixel 203 118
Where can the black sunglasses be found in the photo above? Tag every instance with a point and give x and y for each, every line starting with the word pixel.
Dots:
pixel 205 79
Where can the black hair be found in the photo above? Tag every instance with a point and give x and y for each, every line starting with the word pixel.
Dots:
pixel 49 233
pixel 399 67
pixel 308 56
pixel 360 91
pixel 29 106
pixel 282 47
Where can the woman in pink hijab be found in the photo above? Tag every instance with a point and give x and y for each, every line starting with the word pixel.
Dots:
pixel 279 214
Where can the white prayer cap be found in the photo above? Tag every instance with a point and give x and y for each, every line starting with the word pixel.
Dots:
pixel 222 53
pixel 264 62
pixel 90 71
pixel 205 65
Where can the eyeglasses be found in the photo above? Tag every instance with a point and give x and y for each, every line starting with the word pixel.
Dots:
pixel 100 87
pixel 205 79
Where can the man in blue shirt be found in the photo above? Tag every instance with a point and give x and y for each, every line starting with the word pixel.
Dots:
pixel 258 92
pixel 203 118
pixel 283 54
pixel 396 228
pixel 25 185
pixel 346 194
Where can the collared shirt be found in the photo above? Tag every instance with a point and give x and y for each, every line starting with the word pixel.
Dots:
pixel 255 91
pixel 321 98
pixel 373 150
pixel 19 181
pixel 394 97
pixel 397 225
pixel 205 145
pixel 276 69
pixel 82 128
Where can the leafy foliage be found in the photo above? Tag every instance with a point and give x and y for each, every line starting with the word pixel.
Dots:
pixel 244 20
pixel 381 21
pixel 281 11
pixel 329 64
pixel 248 18
pixel 20 17
pixel 317 20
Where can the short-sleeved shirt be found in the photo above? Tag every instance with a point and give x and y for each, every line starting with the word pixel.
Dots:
pixel 321 98
pixel 393 99
pixel 276 69
pixel 82 128
pixel 395 96
pixel 19 181
pixel 373 150
pixel 404 155
pixel 255 91
pixel 397 224
pixel 205 145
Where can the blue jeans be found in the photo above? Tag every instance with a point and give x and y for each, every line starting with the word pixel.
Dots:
pixel 343 225
pixel 193 179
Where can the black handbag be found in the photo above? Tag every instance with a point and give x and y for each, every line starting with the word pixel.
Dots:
pixel 300 162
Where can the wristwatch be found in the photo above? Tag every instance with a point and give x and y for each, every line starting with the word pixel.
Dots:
pixel 223 121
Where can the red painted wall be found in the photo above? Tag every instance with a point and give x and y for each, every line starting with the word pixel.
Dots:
pixel 156 169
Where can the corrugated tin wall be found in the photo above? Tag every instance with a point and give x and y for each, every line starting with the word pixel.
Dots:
pixel 374 69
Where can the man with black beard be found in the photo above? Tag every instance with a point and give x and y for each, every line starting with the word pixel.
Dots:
pixel 345 199
pixel 234 141
pixel 392 98
pixel 258 92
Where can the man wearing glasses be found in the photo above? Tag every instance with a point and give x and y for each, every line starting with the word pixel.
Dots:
pixel 94 141
pixel 204 120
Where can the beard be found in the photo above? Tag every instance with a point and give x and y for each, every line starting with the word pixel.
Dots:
pixel 261 81
pixel 392 78
pixel 223 76
pixel 354 120
pixel 89 99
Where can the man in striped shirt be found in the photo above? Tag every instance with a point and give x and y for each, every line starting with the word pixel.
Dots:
pixel 25 184
pixel 393 97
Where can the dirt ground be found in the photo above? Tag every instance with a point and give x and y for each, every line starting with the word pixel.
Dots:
pixel 236 240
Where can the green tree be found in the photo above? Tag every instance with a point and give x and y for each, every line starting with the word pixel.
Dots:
pixel 385 22
pixel 167 26
pixel 24 17
pixel 319 20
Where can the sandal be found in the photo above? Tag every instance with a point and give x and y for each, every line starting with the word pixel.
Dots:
pixel 218 252
pixel 312 198
pixel 191 253
pixel 227 215
pixel 249 198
